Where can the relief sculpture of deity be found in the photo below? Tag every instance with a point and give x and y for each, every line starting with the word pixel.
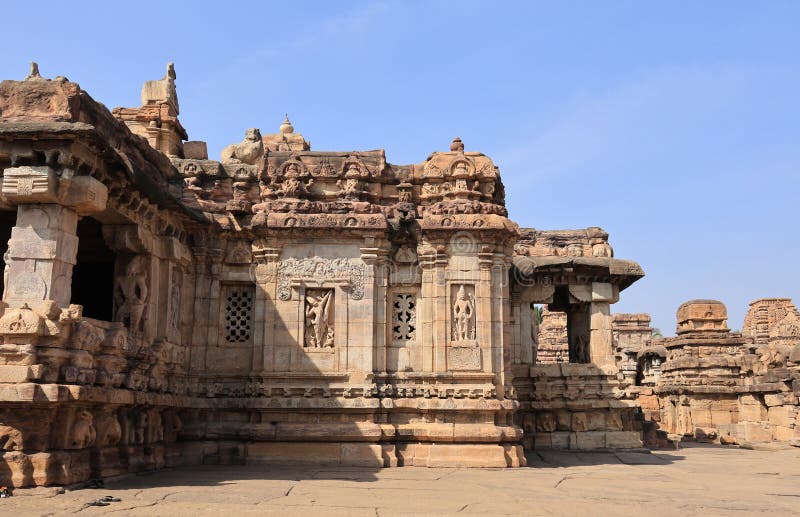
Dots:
pixel 318 313
pixel 130 294
pixel 464 316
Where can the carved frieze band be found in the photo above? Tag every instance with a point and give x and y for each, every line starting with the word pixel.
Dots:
pixel 317 268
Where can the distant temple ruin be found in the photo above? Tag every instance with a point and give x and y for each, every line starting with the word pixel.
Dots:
pixel 284 305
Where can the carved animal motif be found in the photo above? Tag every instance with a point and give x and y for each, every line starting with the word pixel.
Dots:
pixel 248 151
pixel 139 427
pixel 155 429
pixel 614 421
pixel 83 433
pixel 109 432
pixel 602 250
pixel 545 422
pixel 172 426
pixel 10 438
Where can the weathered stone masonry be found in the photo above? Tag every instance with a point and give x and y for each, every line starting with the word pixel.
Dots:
pixel 280 305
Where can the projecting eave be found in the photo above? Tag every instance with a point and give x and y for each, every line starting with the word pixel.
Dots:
pixel 621 273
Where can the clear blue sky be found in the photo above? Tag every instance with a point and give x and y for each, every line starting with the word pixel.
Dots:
pixel 673 125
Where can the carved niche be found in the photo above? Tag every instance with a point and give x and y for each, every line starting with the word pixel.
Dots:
pixel 463 314
pixel 463 353
pixel 318 310
pixel 317 268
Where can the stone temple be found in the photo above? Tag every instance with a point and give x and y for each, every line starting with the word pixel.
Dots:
pixel 284 305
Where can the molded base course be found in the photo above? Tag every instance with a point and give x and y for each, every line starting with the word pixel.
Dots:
pixel 386 455
pixel 588 440
pixel 20 469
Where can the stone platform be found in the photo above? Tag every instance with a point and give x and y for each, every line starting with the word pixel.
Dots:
pixel 693 481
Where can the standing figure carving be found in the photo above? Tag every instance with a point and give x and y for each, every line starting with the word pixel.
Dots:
pixel 130 294
pixel 579 352
pixel 6 269
pixel 175 300
pixel 463 316
pixel 319 332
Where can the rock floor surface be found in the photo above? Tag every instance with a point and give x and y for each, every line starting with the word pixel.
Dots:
pixel 691 481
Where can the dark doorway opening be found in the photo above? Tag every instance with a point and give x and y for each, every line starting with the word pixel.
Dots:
pixel 93 275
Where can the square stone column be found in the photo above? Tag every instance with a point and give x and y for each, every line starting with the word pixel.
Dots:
pixel 41 253
pixel 43 245
pixel 601 347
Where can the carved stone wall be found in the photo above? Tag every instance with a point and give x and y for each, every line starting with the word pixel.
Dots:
pixel 281 304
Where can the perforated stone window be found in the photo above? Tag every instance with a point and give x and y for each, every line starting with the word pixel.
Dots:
pixel 404 323
pixel 238 321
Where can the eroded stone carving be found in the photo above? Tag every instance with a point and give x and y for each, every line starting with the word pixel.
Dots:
pixel 130 295
pixel 247 151
pixel 173 321
pixel 109 431
pixel 83 433
pixel 285 336
pixel 340 269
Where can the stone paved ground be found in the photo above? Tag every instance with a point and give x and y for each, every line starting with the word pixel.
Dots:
pixel 693 481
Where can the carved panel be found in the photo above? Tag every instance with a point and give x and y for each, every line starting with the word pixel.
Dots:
pixel 463 358
pixel 317 268
pixel 318 310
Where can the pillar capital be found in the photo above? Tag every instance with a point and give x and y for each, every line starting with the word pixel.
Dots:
pixel 29 185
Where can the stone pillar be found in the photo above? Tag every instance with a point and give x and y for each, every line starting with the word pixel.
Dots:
pixel 441 312
pixel 485 298
pixel 602 340
pixel 267 260
pixel 579 332
pixel 425 309
pixel 41 254
pixel 43 245
pixel 601 348
pixel 599 296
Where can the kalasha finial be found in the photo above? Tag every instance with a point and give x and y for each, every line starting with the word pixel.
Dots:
pixel 171 71
pixel 34 73
pixel 457 145
pixel 287 126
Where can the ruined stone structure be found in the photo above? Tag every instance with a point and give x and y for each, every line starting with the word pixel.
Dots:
pixel 279 305
pixel 284 305
pixel 713 385
pixel 577 402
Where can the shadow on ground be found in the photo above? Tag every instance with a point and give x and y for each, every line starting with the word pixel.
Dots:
pixel 558 459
